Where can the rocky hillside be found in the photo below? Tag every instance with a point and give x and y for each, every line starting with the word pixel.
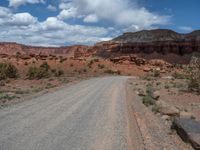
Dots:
pixel 9 49
pixel 149 44
pixel 159 35
pixel 153 44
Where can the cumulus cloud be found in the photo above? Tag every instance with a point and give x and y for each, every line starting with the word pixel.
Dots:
pixel 65 5
pixel 26 29
pixel 17 3
pixel 4 12
pixel 119 12
pixel 91 18
pixel 21 19
pixel 68 13
pixel 51 8
pixel 52 23
pixel 117 16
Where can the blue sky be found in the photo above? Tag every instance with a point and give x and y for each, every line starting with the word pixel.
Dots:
pixel 67 22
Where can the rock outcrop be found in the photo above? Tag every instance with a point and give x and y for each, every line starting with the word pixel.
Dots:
pixel 26 51
pixel 147 44
pixel 188 130
pixel 157 43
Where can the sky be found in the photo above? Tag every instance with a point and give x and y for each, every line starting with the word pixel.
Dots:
pixel 68 22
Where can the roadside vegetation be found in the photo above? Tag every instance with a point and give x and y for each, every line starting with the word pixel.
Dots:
pixel 43 71
pixel 7 70
pixel 194 71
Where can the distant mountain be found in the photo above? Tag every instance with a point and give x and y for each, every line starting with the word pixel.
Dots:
pixel 158 35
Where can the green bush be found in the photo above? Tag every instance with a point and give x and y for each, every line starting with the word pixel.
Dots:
pixel 148 100
pixel 149 89
pixel 109 71
pixel 45 66
pixel 194 85
pixel 156 108
pixel 177 75
pixel 7 70
pixel 44 71
pixel 59 73
pixel 100 66
pixel 156 73
pixel 39 72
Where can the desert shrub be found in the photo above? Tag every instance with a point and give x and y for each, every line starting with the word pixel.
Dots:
pixel 18 55
pixel 167 86
pixel 156 73
pixel 109 71
pixel 58 73
pixel 156 109
pixel 91 62
pixel 7 70
pixel 39 72
pixel 149 89
pixel 148 100
pixel 49 86
pixel 100 66
pixel 194 80
pixel 45 66
pixel 53 70
pixel 84 70
pixel 177 75
pixel 4 96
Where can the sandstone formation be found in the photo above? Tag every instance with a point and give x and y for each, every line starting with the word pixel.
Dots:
pixel 133 47
pixel 153 43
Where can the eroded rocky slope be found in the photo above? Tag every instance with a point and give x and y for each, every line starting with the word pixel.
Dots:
pixel 149 44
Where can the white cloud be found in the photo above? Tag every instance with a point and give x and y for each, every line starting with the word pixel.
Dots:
pixel 121 15
pixel 185 28
pixel 119 12
pixel 21 19
pixel 26 29
pixel 51 8
pixel 68 13
pixel 4 12
pixel 17 3
pixel 52 23
pixel 64 5
pixel 105 39
pixel 91 18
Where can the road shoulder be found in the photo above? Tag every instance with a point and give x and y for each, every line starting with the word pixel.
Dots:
pixel 155 135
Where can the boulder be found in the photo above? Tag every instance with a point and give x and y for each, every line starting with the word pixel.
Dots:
pixel 188 130
pixel 146 69
pixel 156 95
pixel 166 109
pixel 162 71
pixel 141 92
pixel 184 114
pixel 165 117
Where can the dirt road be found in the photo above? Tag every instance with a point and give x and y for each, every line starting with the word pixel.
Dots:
pixel 90 115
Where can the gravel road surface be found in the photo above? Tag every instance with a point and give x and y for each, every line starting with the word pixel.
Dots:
pixel 90 115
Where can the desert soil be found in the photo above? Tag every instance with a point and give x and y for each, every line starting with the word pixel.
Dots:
pixel 100 113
